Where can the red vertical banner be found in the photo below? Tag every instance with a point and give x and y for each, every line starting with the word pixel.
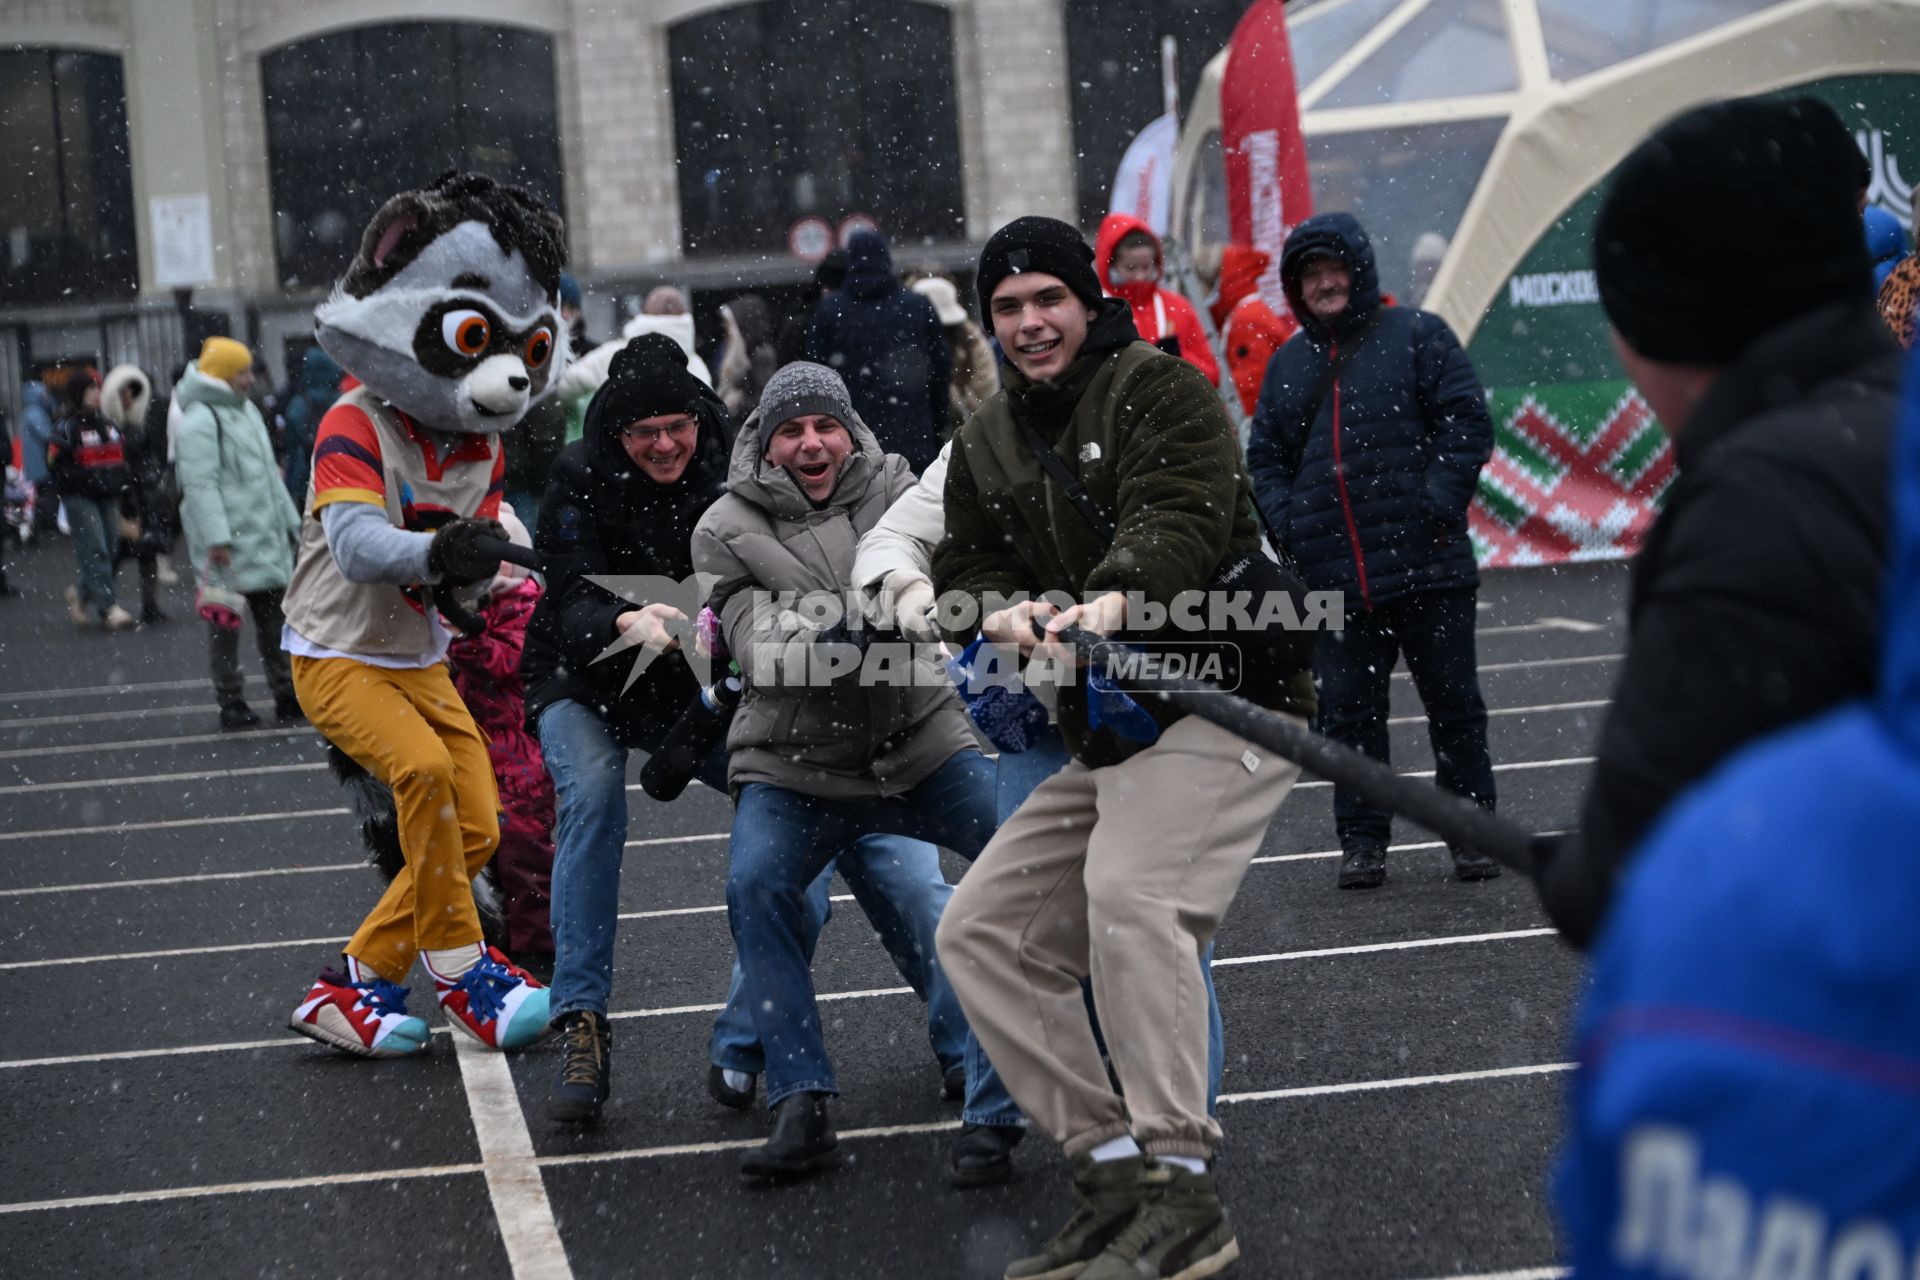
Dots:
pixel 1268 190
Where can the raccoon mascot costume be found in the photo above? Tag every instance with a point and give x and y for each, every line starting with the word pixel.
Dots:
pixel 448 318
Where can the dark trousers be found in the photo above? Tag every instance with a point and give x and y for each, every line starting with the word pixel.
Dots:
pixel 224 646
pixel 1433 630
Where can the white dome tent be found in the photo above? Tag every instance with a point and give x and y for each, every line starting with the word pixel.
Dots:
pixel 1491 124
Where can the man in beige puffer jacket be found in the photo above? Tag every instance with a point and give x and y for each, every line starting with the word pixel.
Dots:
pixel 835 738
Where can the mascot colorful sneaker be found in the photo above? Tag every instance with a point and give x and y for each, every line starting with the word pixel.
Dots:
pixel 449 319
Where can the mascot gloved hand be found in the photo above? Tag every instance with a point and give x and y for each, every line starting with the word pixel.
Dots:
pixel 448 318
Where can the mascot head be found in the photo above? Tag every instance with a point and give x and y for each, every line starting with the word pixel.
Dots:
pixel 450 310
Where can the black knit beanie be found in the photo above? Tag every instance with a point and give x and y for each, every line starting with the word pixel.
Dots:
pixel 648 378
pixel 1729 221
pixel 1046 245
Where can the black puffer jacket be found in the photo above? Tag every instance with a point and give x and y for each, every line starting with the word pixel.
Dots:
pixel 1756 600
pixel 886 343
pixel 603 516
pixel 1369 498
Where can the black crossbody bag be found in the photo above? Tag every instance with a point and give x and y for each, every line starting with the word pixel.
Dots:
pixel 1254 655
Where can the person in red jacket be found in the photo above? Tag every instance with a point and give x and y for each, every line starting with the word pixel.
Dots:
pixel 1128 256
pixel 1250 329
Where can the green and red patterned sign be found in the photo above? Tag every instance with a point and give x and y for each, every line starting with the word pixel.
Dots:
pixel 1579 466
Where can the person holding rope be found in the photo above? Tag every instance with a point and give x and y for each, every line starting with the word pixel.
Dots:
pixel 1104 871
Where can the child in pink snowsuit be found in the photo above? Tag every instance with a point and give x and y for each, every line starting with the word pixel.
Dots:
pixel 486 671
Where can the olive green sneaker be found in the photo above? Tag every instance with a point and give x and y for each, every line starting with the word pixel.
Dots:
pixel 1109 1192
pixel 1180 1233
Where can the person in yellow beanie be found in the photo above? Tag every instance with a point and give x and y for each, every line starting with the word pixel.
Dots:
pixel 240 524
pixel 228 360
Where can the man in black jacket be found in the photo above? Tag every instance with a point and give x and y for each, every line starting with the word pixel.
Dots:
pixel 622 502
pixel 1367 441
pixel 1755 602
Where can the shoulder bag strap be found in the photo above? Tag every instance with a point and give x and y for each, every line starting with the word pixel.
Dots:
pixel 1083 502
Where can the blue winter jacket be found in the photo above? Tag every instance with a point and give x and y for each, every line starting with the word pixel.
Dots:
pixel 1748 1102
pixel 887 343
pixel 1370 498
pixel 36 429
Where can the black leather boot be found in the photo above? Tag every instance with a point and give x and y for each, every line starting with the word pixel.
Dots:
pixel 1471 864
pixel 586 1068
pixel 983 1156
pixel 802 1142
pixel 1364 867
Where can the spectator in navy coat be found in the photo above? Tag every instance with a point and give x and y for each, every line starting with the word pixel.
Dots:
pixel 1367 442
pixel 888 345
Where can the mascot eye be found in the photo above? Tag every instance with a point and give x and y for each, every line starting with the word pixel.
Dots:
pixel 466 331
pixel 539 348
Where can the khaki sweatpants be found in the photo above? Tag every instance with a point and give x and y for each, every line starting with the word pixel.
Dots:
pixel 411 730
pixel 1122 874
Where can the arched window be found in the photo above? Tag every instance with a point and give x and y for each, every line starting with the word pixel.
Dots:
pixel 1113 70
pixel 354 116
pixel 66 208
pixel 826 108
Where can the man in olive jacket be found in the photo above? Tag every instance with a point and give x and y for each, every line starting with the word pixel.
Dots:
pixel 1120 866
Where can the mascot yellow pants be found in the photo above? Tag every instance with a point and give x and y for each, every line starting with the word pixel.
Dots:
pixel 410 730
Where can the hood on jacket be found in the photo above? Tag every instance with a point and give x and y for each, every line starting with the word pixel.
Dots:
pixel 1339 234
pixel 196 387
pixel 774 490
pixel 869 266
pixel 1241 267
pixel 320 376
pixel 1114 228
pixel 119 378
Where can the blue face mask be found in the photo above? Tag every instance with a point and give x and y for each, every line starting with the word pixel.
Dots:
pixel 1004 708
pixel 1108 708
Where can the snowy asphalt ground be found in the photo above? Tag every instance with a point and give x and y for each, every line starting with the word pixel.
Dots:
pixel 1396 1059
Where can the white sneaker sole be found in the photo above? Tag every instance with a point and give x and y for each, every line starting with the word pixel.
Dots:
pixel 460 1025
pixel 330 1027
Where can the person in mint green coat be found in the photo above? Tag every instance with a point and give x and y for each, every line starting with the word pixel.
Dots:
pixel 240 524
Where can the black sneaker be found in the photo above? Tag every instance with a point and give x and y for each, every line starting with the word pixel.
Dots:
pixel 1471 864
pixel 725 1094
pixel 953 1084
pixel 237 716
pixel 586 1068
pixel 802 1143
pixel 287 710
pixel 1364 867
pixel 983 1156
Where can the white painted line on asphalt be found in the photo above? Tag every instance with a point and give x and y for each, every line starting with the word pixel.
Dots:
pixel 738 1144
pixel 659 840
pixel 87 691
pixel 94 748
pixel 519 1197
pixel 1370 947
pixel 202 775
pixel 1541 709
pixel 157 881
pixel 1541 624
pixel 173 954
pixel 1588 660
pixel 1516 767
pixel 1405 1082
pixel 238 1188
pixel 170 824
pixel 1335 853
pixel 95 717
pixel 129 1055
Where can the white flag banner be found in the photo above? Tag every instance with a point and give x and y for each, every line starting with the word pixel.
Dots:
pixel 1144 185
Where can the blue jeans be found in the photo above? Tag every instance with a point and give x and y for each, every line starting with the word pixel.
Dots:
pixel 95 524
pixel 1019 773
pixel 781 842
pixel 588 764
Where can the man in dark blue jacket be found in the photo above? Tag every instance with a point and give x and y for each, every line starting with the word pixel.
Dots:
pixel 1367 442
pixel 886 343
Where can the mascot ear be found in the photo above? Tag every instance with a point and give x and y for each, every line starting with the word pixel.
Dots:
pixel 394 237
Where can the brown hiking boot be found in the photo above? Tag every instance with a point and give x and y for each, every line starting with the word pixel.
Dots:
pixel 1109 1192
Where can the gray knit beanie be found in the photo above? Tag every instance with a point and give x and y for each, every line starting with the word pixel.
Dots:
pixel 800 389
